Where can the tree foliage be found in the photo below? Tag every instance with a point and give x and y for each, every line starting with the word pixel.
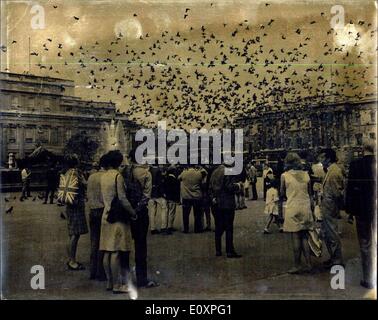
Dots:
pixel 83 146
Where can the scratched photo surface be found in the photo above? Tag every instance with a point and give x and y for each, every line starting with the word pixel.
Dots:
pixel 80 76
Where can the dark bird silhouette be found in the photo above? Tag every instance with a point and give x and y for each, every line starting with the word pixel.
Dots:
pixel 9 210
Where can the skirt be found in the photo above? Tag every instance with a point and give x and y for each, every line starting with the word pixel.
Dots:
pixel 76 221
pixel 298 219
pixel 115 236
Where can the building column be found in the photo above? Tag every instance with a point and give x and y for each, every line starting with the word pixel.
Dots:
pixel 21 141
pixel 4 144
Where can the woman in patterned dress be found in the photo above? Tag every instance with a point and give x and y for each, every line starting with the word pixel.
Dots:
pixel 296 188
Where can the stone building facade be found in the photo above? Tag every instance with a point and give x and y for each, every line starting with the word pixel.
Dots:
pixel 341 125
pixel 44 111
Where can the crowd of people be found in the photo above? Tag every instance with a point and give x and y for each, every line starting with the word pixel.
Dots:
pixel 306 201
pixel 303 199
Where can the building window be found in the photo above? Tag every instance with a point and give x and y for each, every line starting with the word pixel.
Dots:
pixel 356 118
pixel 43 135
pixel 29 135
pixel 46 103
pixel 68 134
pixel 359 138
pixel 12 134
pixel 30 102
pixel 4 101
pixel 372 135
pixel 15 101
pixel 54 136
pixel 372 117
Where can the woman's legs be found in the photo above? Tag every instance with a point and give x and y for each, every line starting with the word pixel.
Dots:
pixel 115 267
pixel 305 249
pixel 125 266
pixel 296 241
pixel 108 270
pixel 72 248
pixel 300 246
pixel 269 221
pixel 119 270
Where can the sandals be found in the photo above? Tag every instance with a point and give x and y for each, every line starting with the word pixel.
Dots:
pixel 121 290
pixel 79 267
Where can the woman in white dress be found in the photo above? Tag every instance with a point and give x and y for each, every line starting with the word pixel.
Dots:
pixel 296 188
pixel 115 238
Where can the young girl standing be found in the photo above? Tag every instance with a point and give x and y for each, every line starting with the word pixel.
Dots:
pixel 271 205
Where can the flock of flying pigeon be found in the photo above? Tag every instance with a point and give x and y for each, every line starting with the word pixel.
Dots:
pixel 206 76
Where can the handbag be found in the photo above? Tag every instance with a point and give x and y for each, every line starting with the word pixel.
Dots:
pixel 117 212
pixel 314 242
pixel 313 236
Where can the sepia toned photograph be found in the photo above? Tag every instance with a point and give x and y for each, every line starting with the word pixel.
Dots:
pixel 188 150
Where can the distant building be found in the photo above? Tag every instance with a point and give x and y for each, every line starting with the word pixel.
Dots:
pixel 340 125
pixel 43 110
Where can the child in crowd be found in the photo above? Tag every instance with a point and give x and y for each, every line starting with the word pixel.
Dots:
pixel 271 205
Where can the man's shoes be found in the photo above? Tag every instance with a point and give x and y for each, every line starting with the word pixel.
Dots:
pixel 233 255
pixel 218 254
pixel 155 231
pixel 166 232
pixel 62 216
pixel 328 264
pixel 266 231
pixel 172 229
pixel 366 284
pixel 44 202
pixel 207 229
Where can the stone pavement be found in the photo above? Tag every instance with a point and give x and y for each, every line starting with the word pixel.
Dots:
pixel 184 264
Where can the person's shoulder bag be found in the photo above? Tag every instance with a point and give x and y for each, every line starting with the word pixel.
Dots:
pixel 117 212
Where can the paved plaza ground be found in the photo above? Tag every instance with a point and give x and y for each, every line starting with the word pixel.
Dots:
pixel 184 264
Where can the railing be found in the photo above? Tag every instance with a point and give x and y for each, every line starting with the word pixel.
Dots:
pixel 11 180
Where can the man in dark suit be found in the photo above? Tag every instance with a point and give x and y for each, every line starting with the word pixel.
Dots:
pixel 360 202
pixel 52 178
pixel 223 188
pixel 142 178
